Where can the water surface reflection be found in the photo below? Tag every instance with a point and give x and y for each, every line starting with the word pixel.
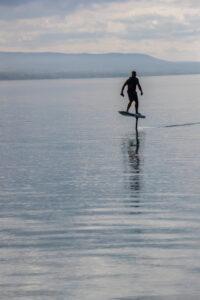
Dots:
pixel 131 149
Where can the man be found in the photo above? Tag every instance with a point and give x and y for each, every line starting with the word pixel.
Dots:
pixel 132 84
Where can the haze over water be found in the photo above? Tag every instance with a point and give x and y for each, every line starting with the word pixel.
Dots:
pixel 87 210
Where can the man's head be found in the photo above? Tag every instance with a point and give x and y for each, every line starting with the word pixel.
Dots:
pixel 134 74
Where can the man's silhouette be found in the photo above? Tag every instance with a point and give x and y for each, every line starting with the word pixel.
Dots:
pixel 132 84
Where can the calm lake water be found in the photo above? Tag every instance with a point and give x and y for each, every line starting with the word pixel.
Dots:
pixel 90 211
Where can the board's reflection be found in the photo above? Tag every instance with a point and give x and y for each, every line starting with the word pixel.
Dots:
pixel 132 163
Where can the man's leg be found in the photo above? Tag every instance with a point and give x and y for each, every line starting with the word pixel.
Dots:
pixel 129 105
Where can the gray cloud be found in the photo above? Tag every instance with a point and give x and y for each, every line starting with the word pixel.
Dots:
pixel 98 24
pixel 63 37
pixel 154 26
pixel 22 9
pixel 58 2
pixel 13 2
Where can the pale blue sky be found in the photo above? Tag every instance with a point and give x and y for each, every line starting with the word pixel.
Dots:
pixel 164 28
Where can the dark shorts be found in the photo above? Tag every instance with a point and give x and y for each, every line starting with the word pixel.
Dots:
pixel 132 96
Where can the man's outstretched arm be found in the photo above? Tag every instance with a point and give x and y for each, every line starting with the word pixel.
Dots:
pixel 122 91
pixel 140 88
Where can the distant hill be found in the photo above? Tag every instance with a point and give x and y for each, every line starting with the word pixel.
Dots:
pixel 16 65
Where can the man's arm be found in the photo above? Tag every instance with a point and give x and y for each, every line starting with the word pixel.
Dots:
pixel 122 91
pixel 140 88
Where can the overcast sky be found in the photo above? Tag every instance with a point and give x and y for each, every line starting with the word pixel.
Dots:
pixel 167 29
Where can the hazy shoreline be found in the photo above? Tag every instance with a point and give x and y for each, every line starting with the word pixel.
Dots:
pixel 16 77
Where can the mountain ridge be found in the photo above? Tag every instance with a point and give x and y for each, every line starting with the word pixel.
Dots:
pixel 49 65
